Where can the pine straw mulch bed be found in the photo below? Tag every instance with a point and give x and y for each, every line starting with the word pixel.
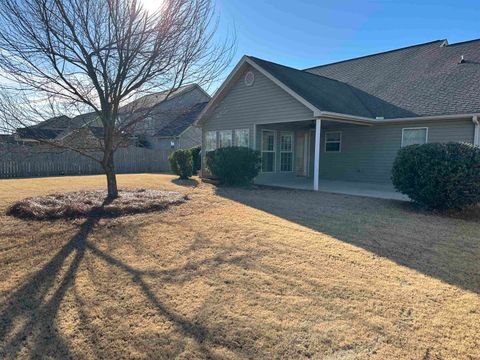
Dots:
pixel 81 204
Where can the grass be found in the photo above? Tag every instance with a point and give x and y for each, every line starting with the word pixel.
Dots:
pixel 238 273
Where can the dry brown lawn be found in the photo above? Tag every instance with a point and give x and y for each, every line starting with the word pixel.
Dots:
pixel 238 273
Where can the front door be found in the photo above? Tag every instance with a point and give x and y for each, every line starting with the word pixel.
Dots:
pixel 302 150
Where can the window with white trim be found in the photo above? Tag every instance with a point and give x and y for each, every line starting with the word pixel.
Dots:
pixel 414 136
pixel 225 138
pixel 242 137
pixel 286 151
pixel 333 141
pixel 268 151
pixel 210 140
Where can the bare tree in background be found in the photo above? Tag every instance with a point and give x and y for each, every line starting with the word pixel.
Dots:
pixel 67 57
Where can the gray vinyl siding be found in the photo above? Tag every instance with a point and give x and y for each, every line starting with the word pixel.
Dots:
pixel 190 137
pixel 368 153
pixel 263 102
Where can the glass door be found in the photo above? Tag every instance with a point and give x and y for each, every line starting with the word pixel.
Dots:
pixel 268 151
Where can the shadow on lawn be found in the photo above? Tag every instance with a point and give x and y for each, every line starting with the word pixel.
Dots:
pixel 445 248
pixel 191 183
pixel 28 318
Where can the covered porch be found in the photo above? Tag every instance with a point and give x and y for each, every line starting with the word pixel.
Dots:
pixel 322 155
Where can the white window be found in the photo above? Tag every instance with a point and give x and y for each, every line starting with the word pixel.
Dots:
pixel 210 140
pixel 286 151
pixel 333 141
pixel 225 138
pixel 268 151
pixel 414 136
pixel 242 137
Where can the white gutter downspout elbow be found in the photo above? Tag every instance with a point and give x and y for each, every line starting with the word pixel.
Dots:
pixel 476 136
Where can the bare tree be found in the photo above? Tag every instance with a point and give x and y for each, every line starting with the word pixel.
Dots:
pixel 66 57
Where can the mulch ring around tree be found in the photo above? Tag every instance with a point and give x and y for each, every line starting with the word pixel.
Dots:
pixel 82 204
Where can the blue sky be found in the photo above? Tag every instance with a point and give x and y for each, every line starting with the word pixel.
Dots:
pixel 306 33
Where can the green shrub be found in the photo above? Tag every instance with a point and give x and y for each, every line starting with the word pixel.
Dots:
pixel 181 163
pixel 234 165
pixel 439 176
pixel 196 158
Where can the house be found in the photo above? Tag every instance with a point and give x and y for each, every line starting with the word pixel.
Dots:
pixel 346 121
pixel 166 123
pixel 169 124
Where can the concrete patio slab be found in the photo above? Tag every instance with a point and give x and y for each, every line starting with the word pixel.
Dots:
pixel 374 190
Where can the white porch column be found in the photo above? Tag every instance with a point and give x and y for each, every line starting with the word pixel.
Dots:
pixel 316 165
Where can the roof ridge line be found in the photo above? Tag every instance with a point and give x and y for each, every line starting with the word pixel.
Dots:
pixel 463 42
pixel 375 54
pixel 302 71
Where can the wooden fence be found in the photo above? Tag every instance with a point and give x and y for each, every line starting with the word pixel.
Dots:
pixel 33 164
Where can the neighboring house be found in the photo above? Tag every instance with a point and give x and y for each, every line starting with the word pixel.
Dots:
pixel 167 123
pixel 347 120
pixel 170 124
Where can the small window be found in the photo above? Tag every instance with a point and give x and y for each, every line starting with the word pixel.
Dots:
pixel 242 137
pixel 268 151
pixel 225 138
pixel 333 141
pixel 286 152
pixel 211 140
pixel 414 136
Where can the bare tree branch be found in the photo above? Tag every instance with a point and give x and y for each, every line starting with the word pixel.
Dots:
pixel 68 57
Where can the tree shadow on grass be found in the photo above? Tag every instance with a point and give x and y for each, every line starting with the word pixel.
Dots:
pixel 441 247
pixel 29 316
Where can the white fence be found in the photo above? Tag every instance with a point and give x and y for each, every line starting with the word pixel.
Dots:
pixel 127 160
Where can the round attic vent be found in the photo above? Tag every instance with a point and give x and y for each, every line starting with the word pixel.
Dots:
pixel 249 78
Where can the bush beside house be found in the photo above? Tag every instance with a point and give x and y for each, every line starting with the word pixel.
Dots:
pixel 234 165
pixel 181 163
pixel 439 176
pixel 196 159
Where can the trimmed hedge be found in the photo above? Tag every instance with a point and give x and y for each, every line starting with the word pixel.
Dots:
pixel 439 176
pixel 196 158
pixel 181 163
pixel 234 165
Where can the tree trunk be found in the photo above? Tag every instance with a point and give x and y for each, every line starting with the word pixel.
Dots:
pixel 109 168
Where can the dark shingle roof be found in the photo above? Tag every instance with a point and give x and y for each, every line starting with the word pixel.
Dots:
pixel 151 100
pixel 38 134
pixel 58 122
pixel 426 79
pixel 331 95
pixel 182 122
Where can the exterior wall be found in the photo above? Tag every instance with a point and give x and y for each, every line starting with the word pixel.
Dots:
pixel 190 138
pixel 368 153
pixel 263 102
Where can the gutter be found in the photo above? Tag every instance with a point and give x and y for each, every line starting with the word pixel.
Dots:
pixel 476 136
pixel 325 115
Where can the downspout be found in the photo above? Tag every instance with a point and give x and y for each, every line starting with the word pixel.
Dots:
pixel 476 134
